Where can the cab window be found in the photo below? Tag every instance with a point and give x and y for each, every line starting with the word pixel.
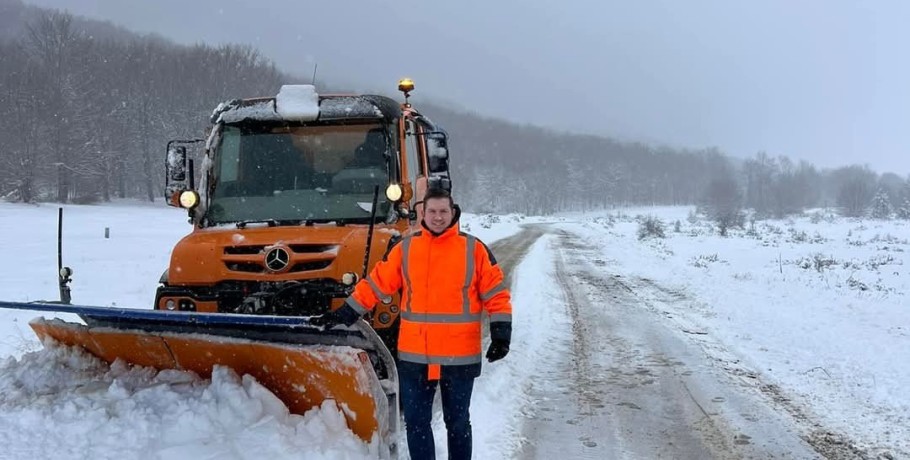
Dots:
pixel 415 166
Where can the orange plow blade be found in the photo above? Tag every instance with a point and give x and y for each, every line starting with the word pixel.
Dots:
pixel 301 364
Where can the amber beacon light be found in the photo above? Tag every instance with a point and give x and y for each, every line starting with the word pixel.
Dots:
pixel 405 85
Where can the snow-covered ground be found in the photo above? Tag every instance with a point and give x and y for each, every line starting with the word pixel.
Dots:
pixel 60 403
pixel 817 306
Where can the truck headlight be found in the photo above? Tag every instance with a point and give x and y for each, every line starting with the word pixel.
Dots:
pixel 393 192
pixel 189 199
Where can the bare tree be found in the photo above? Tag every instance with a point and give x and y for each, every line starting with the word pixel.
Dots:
pixel 855 187
pixel 722 199
pixel 21 155
pixel 63 52
pixel 759 174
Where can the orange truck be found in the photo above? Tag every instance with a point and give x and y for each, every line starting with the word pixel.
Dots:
pixel 298 196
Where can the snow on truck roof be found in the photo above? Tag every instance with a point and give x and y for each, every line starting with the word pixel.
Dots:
pixel 302 103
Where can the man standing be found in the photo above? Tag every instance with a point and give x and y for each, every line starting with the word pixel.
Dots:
pixel 447 279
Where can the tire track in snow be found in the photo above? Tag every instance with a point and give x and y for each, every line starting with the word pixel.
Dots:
pixel 509 251
pixel 826 443
pixel 632 388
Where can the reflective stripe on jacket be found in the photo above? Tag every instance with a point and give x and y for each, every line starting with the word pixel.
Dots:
pixel 446 282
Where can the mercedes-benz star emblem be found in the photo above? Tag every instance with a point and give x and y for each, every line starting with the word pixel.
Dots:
pixel 277 259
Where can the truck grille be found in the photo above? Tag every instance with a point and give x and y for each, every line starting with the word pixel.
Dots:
pixel 296 248
pixel 304 257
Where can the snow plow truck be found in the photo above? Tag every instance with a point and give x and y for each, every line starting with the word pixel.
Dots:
pixel 298 196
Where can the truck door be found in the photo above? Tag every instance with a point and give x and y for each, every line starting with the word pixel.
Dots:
pixel 415 158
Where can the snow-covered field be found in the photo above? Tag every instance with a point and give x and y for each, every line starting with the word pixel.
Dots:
pixel 816 306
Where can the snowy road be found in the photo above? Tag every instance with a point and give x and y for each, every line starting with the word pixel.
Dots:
pixel 631 383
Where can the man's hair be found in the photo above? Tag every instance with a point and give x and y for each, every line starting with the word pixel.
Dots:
pixel 439 193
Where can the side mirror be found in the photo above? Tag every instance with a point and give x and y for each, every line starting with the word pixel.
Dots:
pixel 438 152
pixel 176 163
pixel 438 160
pixel 178 174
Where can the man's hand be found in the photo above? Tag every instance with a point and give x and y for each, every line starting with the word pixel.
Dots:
pixel 325 321
pixel 343 315
pixel 498 349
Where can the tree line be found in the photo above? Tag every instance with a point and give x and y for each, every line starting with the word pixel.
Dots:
pixel 87 111
pixel 87 119
pixel 511 168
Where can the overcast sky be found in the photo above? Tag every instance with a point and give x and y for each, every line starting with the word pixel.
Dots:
pixel 822 80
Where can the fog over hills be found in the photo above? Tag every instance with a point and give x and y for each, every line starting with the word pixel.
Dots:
pixel 816 80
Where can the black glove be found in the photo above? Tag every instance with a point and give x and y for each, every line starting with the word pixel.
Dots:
pixel 343 315
pixel 500 339
pixel 325 321
pixel 498 349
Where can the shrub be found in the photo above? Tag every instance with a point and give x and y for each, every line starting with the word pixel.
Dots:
pixel 857 284
pixel 887 239
pixel 488 220
pixel 650 226
pixel 821 262
pixel 704 260
pixel 818 262
pixel 607 222
pixel 798 236
pixel 878 260
pixel 817 238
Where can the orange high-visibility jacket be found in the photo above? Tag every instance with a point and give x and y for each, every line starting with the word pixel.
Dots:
pixel 446 282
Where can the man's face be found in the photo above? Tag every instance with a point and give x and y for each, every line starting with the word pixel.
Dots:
pixel 437 214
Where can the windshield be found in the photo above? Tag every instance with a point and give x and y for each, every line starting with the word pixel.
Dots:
pixel 294 174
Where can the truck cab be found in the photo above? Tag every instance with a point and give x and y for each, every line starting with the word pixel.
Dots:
pixel 298 196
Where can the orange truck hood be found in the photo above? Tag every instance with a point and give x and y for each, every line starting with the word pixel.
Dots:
pixel 212 255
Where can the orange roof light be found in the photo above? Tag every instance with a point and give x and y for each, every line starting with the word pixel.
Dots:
pixel 405 85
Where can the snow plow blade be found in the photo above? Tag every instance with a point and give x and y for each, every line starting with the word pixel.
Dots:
pixel 301 364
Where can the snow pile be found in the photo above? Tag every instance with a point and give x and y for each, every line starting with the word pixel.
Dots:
pixel 118 411
pixel 297 102
pixel 293 102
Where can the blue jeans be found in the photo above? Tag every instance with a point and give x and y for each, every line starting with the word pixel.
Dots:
pixel 417 394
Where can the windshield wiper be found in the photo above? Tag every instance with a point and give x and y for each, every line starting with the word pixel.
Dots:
pixel 270 222
pixel 340 221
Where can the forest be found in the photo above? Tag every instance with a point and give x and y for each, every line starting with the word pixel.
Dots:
pixel 88 107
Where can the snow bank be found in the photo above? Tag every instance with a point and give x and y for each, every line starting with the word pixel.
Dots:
pixel 118 411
